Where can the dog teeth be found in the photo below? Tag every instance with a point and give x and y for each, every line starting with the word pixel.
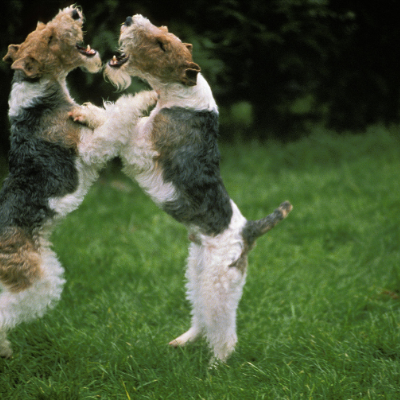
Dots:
pixel 118 61
pixel 89 50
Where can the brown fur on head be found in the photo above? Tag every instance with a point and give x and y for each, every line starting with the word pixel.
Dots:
pixel 153 54
pixel 52 49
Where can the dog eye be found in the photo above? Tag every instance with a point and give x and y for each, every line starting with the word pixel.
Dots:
pixel 50 39
pixel 161 44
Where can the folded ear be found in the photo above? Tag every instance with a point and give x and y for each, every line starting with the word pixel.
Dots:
pixel 189 46
pixel 12 51
pixel 28 65
pixel 189 75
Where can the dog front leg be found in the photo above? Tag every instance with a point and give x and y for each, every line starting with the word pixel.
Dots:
pixel 102 136
pixel 89 115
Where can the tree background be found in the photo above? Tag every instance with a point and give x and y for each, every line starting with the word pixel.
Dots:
pixel 275 66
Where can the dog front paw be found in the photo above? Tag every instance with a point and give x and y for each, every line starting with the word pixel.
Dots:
pixel 147 99
pixel 79 114
pixel 88 115
pixel 153 96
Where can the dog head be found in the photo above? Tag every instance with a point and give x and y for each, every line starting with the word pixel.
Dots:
pixel 52 50
pixel 153 54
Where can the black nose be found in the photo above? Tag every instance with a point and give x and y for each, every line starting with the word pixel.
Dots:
pixel 75 14
pixel 129 21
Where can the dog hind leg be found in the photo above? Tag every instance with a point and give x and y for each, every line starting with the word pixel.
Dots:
pixel 192 277
pixel 214 291
pixel 220 303
pixel 30 303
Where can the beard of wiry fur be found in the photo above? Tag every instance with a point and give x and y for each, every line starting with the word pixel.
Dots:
pixel 19 260
pixel 118 77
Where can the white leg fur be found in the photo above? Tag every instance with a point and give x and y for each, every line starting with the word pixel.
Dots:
pixel 188 337
pixel 113 126
pixel 214 292
pixel 214 289
pixel 33 302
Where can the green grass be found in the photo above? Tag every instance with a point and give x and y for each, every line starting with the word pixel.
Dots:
pixel 320 314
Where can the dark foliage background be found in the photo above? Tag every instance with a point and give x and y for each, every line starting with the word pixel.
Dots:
pixel 275 66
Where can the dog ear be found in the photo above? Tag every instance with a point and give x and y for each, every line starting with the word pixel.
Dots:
pixel 164 28
pixel 189 46
pixel 12 51
pixel 28 65
pixel 40 25
pixel 189 75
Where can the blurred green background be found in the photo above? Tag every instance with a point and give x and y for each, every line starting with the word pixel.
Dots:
pixel 276 67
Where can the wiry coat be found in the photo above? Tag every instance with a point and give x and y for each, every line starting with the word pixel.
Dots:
pixel 189 159
pixel 173 155
pixel 52 163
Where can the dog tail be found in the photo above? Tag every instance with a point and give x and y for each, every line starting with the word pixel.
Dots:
pixel 254 229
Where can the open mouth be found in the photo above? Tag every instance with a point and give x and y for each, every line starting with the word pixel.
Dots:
pixel 117 61
pixel 86 51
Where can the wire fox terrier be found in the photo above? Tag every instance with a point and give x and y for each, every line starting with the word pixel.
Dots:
pixel 52 163
pixel 174 157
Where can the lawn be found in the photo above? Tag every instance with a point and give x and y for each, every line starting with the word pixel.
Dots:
pixel 320 313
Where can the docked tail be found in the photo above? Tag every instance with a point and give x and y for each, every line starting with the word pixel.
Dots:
pixel 254 229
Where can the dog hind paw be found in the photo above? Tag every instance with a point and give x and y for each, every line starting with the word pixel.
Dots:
pixel 190 336
pixel 5 350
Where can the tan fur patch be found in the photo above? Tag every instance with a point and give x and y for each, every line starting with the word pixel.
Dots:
pixel 19 260
pixel 165 138
pixel 242 262
pixel 60 129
